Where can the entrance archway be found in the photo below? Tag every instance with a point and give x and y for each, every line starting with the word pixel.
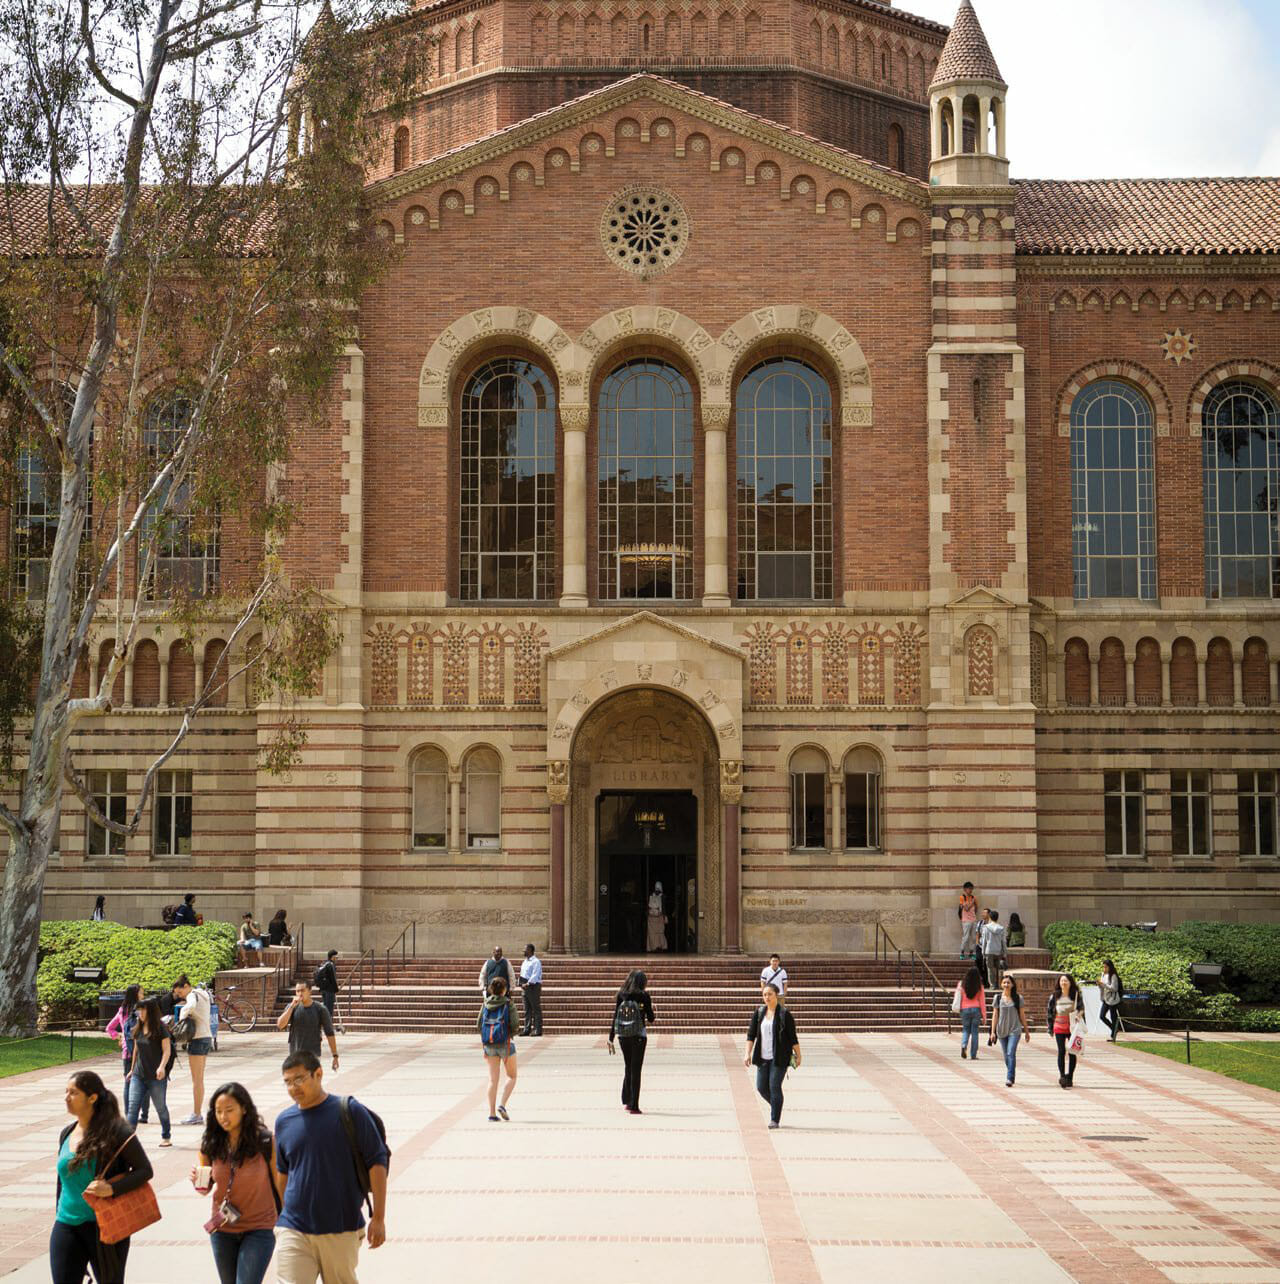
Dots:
pixel 653 752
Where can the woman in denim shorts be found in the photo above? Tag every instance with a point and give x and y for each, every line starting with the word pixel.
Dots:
pixel 495 1023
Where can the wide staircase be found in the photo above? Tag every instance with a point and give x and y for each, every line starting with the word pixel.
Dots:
pixel 691 993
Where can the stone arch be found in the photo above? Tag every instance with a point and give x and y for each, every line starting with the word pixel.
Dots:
pixel 1254 371
pixel 460 341
pixel 1141 378
pixel 814 329
pixel 601 340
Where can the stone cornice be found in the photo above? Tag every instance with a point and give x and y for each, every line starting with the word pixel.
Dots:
pixel 1112 265
pixel 948 194
pixel 663 93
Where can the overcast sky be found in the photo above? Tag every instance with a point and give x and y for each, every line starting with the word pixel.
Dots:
pixel 1134 88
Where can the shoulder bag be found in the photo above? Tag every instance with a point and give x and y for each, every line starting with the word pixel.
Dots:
pixel 123 1215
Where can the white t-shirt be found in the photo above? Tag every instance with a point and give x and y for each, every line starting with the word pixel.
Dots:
pixel 766 1038
pixel 196 1006
pixel 779 978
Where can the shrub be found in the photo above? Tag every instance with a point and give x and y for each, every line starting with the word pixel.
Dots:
pixel 1250 952
pixel 130 955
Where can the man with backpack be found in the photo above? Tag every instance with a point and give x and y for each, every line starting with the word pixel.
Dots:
pixel 306 1020
pixel 331 1158
pixel 326 981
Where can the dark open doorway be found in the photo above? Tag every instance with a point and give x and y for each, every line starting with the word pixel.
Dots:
pixel 644 840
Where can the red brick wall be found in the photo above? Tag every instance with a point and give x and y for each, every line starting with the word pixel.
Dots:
pixel 182 674
pixel 1256 673
pixel 1184 680
pixel 1111 676
pixel 146 674
pixel 1076 663
pixel 1218 676
pixel 1148 677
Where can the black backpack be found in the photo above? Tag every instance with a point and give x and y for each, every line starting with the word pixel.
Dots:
pixel 362 1169
pixel 325 972
pixel 629 1021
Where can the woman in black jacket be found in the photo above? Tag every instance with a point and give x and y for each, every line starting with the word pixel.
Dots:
pixel 632 1015
pixel 97 1155
pixel 771 1040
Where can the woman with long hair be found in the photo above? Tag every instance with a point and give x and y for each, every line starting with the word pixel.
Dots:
pixel 148 1070
pixel 1008 1026
pixel 1017 933
pixel 496 1024
pixel 772 1041
pixel 99 914
pixel 1110 991
pixel 1063 1013
pixel 121 1027
pixel 971 1002
pixel 97 1155
pixel 632 1016
pixel 236 1164
pixel 278 930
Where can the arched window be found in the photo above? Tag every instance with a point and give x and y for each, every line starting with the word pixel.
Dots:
pixel 186 560
pixel 507 527
pixel 1241 435
pixel 1112 492
pixel 785 478
pixel 645 471
pixel 897 148
pixel 429 783
pixel 483 802
pixel 400 159
pixel 862 774
pixel 808 799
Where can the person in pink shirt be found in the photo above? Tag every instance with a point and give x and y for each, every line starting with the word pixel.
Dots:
pixel 972 1006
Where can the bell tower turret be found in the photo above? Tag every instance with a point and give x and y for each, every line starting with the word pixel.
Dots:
pixel 967 110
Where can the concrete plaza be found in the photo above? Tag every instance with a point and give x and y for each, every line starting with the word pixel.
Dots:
pixel 896 1161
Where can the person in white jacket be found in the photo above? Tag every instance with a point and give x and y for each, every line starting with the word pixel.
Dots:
pixel 1110 991
pixel 992 939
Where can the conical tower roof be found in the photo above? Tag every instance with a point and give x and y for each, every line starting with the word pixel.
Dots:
pixel 966 55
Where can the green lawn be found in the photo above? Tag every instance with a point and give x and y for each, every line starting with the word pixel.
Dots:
pixel 1254 1061
pixel 17 1055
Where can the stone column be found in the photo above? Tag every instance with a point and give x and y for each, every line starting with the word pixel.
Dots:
pixel 558 794
pixel 730 803
pixel 573 421
pixel 1093 680
pixel 1166 685
pixel 1237 680
pixel 1272 669
pixel 837 811
pixel 715 506
pixel 128 680
pixel 164 681
pixel 199 683
pixel 455 811
pixel 1202 691
pixel 1130 696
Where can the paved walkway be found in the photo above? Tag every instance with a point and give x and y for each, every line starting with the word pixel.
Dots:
pixel 896 1162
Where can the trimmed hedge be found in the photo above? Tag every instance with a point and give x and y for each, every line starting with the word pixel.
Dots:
pixel 1158 963
pixel 131 956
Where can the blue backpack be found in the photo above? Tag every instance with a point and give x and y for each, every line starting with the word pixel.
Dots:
pixel 495 1025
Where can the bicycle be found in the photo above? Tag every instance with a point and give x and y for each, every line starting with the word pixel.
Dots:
pixel 237 1013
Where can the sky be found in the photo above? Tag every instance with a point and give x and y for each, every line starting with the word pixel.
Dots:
pixel 1134 88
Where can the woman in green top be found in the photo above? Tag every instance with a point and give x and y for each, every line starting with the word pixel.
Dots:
pixel 91 1161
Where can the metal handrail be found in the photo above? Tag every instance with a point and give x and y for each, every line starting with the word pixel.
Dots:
pixel 355 978
pixel 400 941
pixel 916 958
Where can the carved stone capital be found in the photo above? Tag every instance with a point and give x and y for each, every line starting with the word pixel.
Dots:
pixel 558 782
pixel 715 418
pixel 575 418
pixel 730 780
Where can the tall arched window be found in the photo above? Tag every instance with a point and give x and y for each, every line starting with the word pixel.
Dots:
pixel 897 148
pixel 187 560
pixel 483 802
pixel 507 527
pixel 785 478
pixel 862 775
pixel 1112 492
pixel 429 783
pixel 808 799
pixel 645 483
pixel 400 149
pixel 1241 435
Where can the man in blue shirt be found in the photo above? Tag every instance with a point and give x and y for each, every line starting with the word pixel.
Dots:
pixel 321 1223
pixel 531 988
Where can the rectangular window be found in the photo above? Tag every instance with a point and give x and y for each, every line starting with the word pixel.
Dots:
pixel 808 809
pixel 1124 811
pixel 1190 808
pixel 108 790
pixel 862 810
pixel 1256 809
pixel 173 813
pixel 483 803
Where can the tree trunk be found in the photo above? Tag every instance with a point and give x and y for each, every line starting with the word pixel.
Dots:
pixel 24 873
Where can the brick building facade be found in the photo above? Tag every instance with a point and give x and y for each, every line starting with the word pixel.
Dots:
pixel 740 483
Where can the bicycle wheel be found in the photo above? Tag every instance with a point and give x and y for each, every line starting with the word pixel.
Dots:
pixel 239 1015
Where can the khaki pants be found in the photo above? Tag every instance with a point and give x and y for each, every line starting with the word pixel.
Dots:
pixel 301 1258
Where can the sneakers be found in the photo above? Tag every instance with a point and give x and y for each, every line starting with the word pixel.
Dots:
pixel 502 1110
pixel 773 1123
pixel 166 1141
pixel 493 1119
pixel 963 1053
pixel 191 1119
pixel 1008 1083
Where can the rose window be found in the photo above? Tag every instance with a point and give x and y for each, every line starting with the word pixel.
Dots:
pixel 644 230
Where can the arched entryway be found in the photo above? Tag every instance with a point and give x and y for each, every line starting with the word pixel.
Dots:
pixel 644 807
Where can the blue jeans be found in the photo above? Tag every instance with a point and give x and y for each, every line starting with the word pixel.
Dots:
pixel 243 1258
pixel 124 1095
pixel 1009 1046
pixel 156 1090
pixel 769 1077
pixel 970 1023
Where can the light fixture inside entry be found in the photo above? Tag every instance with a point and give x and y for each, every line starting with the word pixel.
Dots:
pixel 648 821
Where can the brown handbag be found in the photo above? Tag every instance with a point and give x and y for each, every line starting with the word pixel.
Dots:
pixel 122 1215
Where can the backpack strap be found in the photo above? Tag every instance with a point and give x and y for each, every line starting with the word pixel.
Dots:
pixel 362 1169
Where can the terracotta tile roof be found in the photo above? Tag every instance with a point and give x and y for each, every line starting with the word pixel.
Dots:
pixel 1148 216
pixel 966 55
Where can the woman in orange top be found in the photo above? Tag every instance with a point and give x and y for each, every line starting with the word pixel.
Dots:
pixel 973 1012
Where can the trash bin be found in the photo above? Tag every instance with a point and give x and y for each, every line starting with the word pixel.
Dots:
pixel 108 1006
pixel 1135 1005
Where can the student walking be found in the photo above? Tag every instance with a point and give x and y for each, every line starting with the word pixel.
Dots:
pixel 149 1069
pixel 531 989
pixel 967 913
pixel 1008 1026
pixel 185 915
pixel 632 1015
pixel 197 1008
pixel 970 1001
pixel 493 967
pixel 326 981
pixel 773 1047
pixel 324 1146
pixel 773 973
pixel 121 1027
pixel 992 941
pixel 306 1020
pixel 236 1166
pixel 1110 990
pixel 100 1156
pixel 1064 1015
pixel 495 1023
